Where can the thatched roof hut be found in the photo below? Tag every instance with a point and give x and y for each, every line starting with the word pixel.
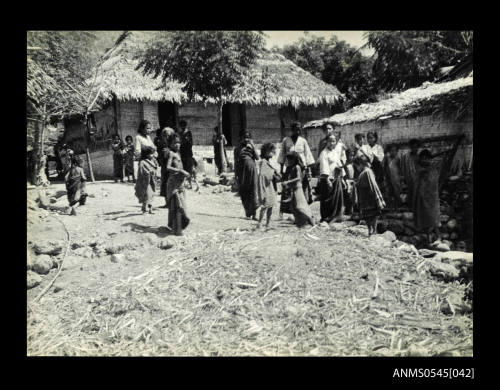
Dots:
pixel 273 80
pixel 428 98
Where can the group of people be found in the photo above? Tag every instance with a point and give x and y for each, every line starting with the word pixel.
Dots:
pixel 172 152
pixel 363 179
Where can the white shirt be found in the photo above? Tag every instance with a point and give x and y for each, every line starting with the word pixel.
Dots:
pixel 301 147
pixel 328 161
pixel 141 142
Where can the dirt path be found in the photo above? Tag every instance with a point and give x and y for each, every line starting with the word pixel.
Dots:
pixel 225 289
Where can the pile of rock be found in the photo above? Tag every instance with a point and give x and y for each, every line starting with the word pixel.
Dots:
pixel 42 257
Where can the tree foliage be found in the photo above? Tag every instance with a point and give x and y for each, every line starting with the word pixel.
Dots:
pixel 406 59
pixel 335 62
pixel 208 63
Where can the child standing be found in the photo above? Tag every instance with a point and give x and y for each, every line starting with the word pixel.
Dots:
pixel 175 196
pixel 75 184
pixel 295 171
pixel 370 198
pixel 128 159
pixel 117 147
pixel 146 179
pixel 267 183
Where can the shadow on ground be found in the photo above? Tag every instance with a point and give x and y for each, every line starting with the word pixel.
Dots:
pixel 161 231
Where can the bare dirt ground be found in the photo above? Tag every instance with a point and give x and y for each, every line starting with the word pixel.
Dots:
pixel 225 289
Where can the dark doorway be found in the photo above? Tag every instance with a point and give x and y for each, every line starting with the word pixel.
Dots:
pixel 167 114
pixel 233 122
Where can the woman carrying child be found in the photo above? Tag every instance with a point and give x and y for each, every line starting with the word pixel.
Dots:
pixel 175 195
pixel 298 203
pixel 75 184
pixel 267 183
pixel 370 198
pixel 146 177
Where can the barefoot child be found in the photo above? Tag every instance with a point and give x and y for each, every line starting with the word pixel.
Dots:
pixel 175 196
pixel 146 179
pixel 267 187
pixel 128 158
pixel 75 184
pixel 370 198
pixel 298 204
pixel 117 147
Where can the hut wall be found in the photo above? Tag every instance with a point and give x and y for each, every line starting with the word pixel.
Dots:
pixel 102 164
pixel 150 113
pixel 401 130
pixel 200 119
pixel 263 122
pixel 129 113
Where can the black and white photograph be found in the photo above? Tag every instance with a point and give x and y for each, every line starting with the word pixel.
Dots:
pixel 234 193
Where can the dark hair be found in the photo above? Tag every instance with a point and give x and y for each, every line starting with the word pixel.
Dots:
pixel 146 152
pixel 128 137
pixel 266 149
pixel 325 125
pixel 296 126
pixel 426 153
pixel 359 136
pixel 173 138
pixel 414 142
pixel 116 136
pixel 216 128
pixel 294 159
pixel 361 160
pixel 373 134
pixel 182 122
pixel 158 132
pixel 393 146
pixel 246 134
pixel 143 125
pixel 75 160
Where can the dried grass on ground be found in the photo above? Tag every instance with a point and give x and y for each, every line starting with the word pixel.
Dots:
pixel 285 292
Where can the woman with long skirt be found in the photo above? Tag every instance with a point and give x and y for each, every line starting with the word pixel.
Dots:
pixel 163 153
pixel 75 184
pixel 294 142
pixel 330 188
pixel 178 219
pixel 371 202
pixel 247 176
pixel 298 203
pixel 145 185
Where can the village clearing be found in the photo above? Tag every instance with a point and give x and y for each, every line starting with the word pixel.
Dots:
pixel 128 288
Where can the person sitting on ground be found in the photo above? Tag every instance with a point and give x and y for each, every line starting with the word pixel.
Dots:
pixel 267 183
pixel 370 200
pixel 146 179
pixel 75 184
pixel 178 219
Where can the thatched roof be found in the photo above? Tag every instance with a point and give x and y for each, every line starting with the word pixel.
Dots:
pixel 273 80
pixel 428 98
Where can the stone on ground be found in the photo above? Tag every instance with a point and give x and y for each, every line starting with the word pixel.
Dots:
pixel 379 240
pixel 359 230
pixel 440 246
pixel 427 252
pixel 117 258
pixel 42 264
pixel 33 279
pixel 443 271
pixel 165 244
pixel 389 236
pixel 52 248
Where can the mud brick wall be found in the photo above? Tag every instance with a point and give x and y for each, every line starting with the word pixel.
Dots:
pixel 102 164
pixel 150 113
pixel 401 130
pixel 201 121
pixel 129 115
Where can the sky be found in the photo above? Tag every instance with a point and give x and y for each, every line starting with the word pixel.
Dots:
pixel 281 38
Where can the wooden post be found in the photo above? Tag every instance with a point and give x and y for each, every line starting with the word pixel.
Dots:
pixel 38 150
pixel 87 151
pixel 221 144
